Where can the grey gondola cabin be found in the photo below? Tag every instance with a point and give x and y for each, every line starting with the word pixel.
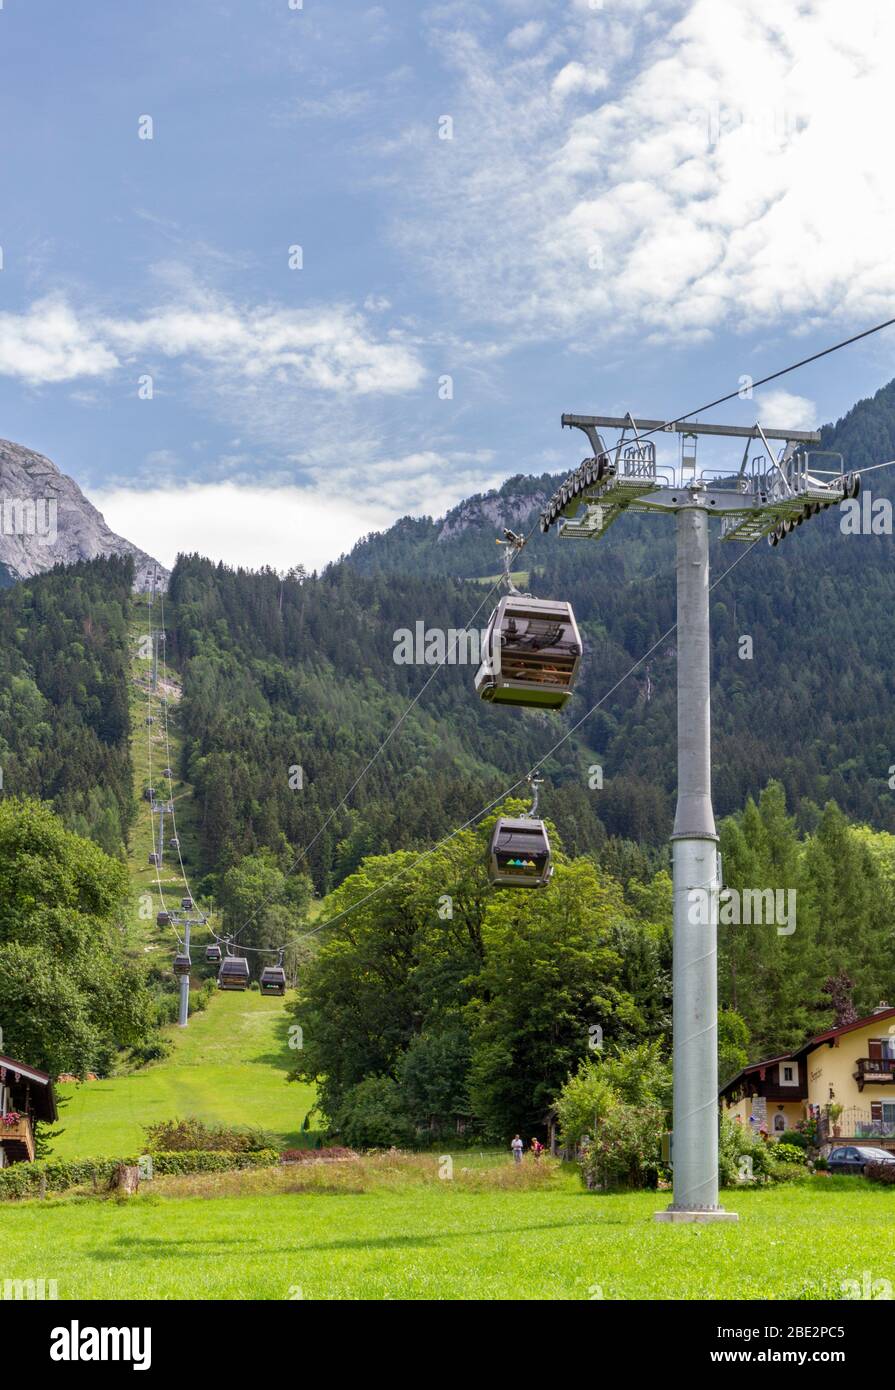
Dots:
pixel 234 973
pixel 182 963
pixel 519 854
pixel 531 654
pixel 273 980
pixel 213 953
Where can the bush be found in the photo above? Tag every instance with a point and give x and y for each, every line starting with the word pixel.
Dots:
pixel 626 1149
pixel 155 1049
pixel 881 1172
pixel 24 1179
pixel 736 1143
pixel 212 1161
pixel 373 1116
pixel 795 1137
pixel 787 1153
pixel 167 1009
pixel 191 1134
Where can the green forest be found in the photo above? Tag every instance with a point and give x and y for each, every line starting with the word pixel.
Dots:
pixel 64 722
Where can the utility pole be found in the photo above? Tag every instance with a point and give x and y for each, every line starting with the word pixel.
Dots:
pixel 768 496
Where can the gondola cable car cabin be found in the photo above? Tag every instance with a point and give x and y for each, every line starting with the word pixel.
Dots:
pixel 519 854
pixel 234 973
pixel 532 648
pixel 273 978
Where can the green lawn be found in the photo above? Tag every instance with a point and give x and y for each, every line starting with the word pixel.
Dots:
pixel 229 1065
pixel 441 1241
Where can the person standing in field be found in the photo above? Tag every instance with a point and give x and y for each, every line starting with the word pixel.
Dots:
pixel 517 1146
pixel 537 1148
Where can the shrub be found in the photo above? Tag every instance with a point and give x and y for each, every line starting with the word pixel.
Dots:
pixel 24 1179
pixel 881 1172
pixel 626 1149
pixel 156 1047
pixel 212 1161
pixel 737 1142
pixel 787 1153
pixel 191 1134
pixel 167 1008
pixel 796 1137
pixel 373 1116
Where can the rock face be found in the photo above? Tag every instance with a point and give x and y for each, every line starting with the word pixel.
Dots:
pixel 46 520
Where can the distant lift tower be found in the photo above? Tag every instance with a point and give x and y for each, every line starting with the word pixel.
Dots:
pixel 768 495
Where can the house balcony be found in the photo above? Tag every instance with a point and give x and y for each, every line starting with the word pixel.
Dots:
pixel 878 1071
pixel 17 1140
pixel 855 1126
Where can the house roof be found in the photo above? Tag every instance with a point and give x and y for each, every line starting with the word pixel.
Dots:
pixel 846 1028
pixel 807 1047
pixel 756 1066
pixel 46 1097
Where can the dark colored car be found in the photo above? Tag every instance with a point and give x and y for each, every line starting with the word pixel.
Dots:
pixel 856 1158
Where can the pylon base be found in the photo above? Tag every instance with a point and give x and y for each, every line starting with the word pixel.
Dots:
pixel 718 1214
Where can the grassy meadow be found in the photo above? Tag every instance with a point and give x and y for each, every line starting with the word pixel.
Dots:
pixel 391 1228
pixel 228 1066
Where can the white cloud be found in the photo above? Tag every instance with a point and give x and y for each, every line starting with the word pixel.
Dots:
pixel 250 526
pixel 49 343
pixel 781 409
pixel 575 77
pixel 283 526
pixel 328 348
pixel 524 35
pixel 735 172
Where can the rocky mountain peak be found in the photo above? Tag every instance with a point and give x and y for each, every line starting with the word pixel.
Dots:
pixel 46 520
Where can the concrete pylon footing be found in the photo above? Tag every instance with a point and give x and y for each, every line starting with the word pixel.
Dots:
pixel 720 1215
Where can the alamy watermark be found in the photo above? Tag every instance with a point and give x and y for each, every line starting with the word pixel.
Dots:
pixel 772 907
pixel 437 646
pixel 30 516
pixel 30 1290
pixel 865 515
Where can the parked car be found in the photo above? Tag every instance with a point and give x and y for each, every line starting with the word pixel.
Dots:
pixel 854 1158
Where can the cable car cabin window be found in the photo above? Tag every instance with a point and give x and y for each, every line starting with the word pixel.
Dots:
pixel 532 654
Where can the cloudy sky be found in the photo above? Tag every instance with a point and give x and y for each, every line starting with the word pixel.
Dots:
pixel 370 253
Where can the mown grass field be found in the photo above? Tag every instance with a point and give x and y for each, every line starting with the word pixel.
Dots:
pixel 423 1238
pixel 229 1065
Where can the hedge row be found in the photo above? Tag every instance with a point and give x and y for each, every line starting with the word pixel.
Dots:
pixel 24 1179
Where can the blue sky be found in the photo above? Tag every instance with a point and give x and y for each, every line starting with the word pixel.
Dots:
pixel 638 205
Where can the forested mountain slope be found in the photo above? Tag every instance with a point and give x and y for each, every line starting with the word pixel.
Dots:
pixel 300 672
pixel 64 723
pixel 812 705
